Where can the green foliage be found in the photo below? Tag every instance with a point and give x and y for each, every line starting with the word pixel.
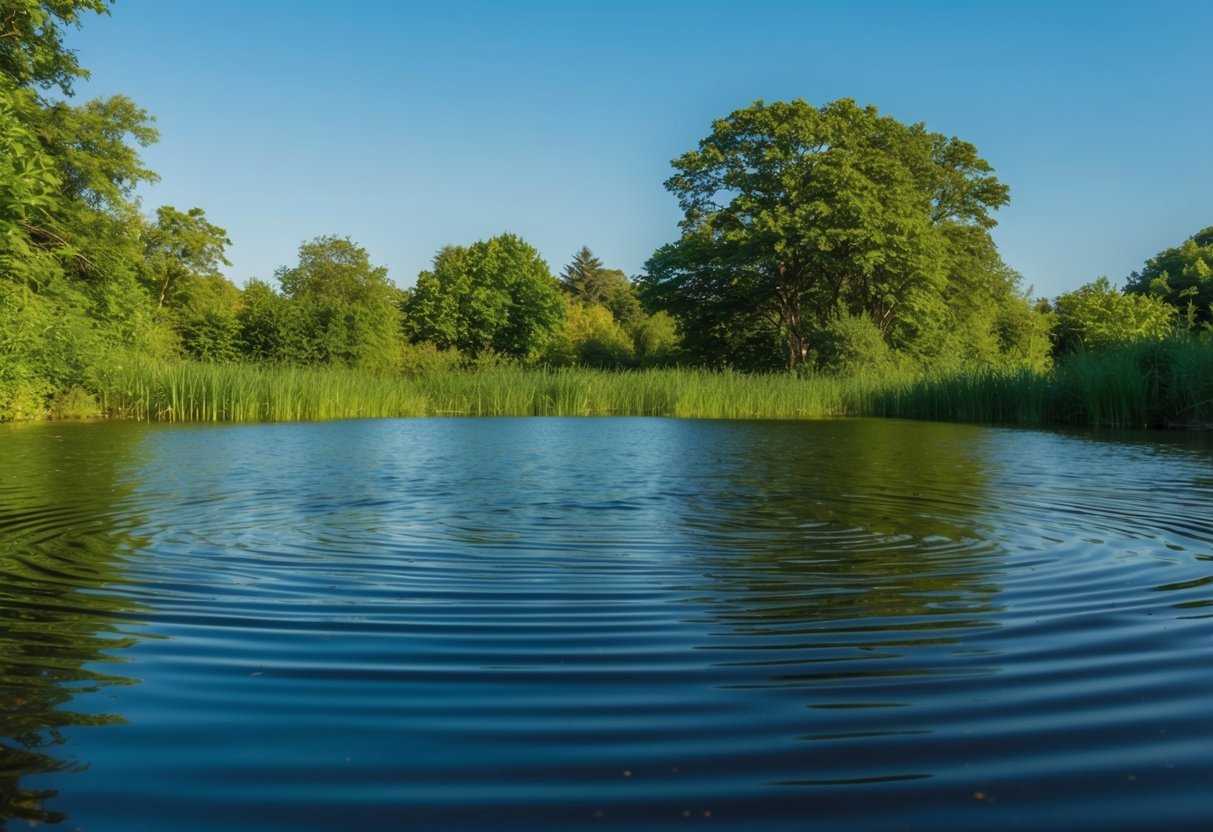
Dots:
pixel 22 398
pixel 68 289
pixel 213 335
pixel 94 227
pixel 28 183
pixel 266 323
pixel 1183 277
pixel 74 403
pixel 96 145
pixel 345 310
pixel 335 269
pixel 590 337
pixel 982 317
pixel 585 278
pixel 31 41
pixel 1168 383
pixel 495 296
pixel 178 249
pixel 852 344
pixel 793 214
pixel 182 257
pixel 621 299
pixel 594 287
pixel 1098 316
pixel 425 359
pixel 656 339
pixel 48 342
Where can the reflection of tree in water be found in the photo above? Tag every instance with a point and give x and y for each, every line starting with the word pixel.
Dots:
pixel 62 540
pixel 836 542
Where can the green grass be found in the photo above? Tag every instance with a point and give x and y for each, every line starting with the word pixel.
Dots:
pixel 1148 384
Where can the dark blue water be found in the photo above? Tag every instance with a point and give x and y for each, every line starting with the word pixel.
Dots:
pixel 612 623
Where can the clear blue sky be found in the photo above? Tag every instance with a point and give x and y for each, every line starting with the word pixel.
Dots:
pixel 410 126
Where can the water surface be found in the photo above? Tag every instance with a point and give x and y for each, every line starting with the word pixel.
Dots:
pixel 612 623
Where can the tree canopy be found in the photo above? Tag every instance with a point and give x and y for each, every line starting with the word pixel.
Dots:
pixel 496 295
pixel 31 41
pixel 1181 276
pixel 794 214
pixel 347 310
pixel 180 247
pixel 584 277
pixel 1098 315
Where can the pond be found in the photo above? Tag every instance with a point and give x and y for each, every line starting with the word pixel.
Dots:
pixel 538 624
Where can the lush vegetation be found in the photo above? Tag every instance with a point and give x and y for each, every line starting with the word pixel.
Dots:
pixel 831 261
pixel 805 228
pixel 1165 383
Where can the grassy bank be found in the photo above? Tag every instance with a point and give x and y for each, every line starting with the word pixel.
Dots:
pixel 1157 384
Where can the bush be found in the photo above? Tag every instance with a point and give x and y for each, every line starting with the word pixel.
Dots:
pixel 852 344
pixel 1098 315
pixel 426 359
pixel 74 403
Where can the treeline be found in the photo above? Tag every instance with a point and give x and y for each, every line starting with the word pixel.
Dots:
pixel 820 241
pixel 489 303
pixel 89 282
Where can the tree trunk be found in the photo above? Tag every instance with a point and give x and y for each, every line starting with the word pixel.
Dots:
pixel 789 315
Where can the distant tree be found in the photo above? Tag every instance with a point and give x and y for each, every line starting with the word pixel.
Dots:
pixel 181 247
pixel 336 269
pixel 1099 315
pixel 587 280
pixel 590 336
pixel 794 214
pixel 348 309
pixel 268 326
pixel 583 278
pixel 496 295
pixel 1181 276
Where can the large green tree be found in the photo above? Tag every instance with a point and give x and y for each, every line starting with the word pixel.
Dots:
pixel 794 215
pixel 496 295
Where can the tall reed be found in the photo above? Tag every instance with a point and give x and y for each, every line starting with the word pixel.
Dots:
pixel 1157 384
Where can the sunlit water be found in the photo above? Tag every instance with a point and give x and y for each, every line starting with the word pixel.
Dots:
pixel 604 623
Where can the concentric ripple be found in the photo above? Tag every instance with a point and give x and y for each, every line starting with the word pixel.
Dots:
pixel 616 623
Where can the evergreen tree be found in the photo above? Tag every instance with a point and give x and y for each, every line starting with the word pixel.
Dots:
pixel 585 278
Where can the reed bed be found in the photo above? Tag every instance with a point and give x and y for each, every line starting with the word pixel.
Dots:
pixel 1168 383
pixel 197 392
